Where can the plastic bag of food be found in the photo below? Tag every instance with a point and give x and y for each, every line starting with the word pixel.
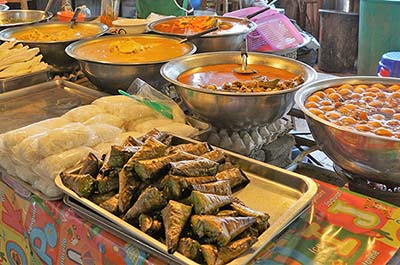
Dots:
pixel 51 166
pixel 7 164
pixel 142 89
pixel 102 133
pixel 47 187
pixel 53 123
pixel 26 174
pixel 105 118
pixel 179 128
pixel 39 146
pixel 14 137
pixel 83 113
pixel 124 107
pixel 122 137
pixel 148 125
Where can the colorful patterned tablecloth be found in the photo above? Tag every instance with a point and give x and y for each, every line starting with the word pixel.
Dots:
pixel 340 228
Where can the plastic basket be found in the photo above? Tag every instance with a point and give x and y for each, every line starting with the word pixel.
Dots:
pixel 274 30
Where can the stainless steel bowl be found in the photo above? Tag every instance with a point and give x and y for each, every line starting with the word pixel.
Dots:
pixel 374 157
pixel 236 110
pixel 210 42
pixel 4 7
pixel 53 51
pixel 13 18
pixel 110 76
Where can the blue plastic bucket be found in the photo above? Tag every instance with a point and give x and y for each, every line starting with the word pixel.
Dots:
pixel 389 65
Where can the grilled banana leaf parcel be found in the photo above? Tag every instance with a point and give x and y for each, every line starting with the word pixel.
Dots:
pixel 195 149
pixel 175 186
pixel 234 249
pixel 155 168
pixel 149 225
pixel 83 185
pixel 132 141
pixel 205 203
pixel 210 253
pixel 111 204
pixel 190 248
pixel 91 165
pixel 151 199
pixel 107 183
pixel 216 155
pixel 151 148
pixel 99 198
pixel 194 168
pixel 220 187
pixel 220 229
pixel 236 178
pixel 174 215
pixel 126 192
pixel 261 218
pixel 118 156
pixel 156 134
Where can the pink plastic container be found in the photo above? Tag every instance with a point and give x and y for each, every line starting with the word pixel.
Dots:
pixel 274 30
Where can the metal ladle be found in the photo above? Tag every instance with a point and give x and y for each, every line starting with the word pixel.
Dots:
pixel 46 9
pixel 74 17
pixel 243 68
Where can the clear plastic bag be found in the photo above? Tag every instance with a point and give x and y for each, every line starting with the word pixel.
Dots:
pixel 142 89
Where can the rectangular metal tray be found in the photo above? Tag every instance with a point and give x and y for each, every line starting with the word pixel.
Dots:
pixel 12 83
pixel 280 193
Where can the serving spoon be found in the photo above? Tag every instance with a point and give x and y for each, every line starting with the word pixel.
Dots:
pixel 74 17
pixel 243 68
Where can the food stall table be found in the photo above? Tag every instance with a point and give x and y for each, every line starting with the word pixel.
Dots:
pixel 340 226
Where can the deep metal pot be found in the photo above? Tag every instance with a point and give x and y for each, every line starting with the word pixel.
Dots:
pixel 53 51
pixel 13 18
pixel 374 157
pixel 232 110
pixel 110 77
pixel 211 42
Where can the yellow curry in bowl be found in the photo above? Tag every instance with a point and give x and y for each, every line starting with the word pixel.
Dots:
pixel 59 32
pixel 132 49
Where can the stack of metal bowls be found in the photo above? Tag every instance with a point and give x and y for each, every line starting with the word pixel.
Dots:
pixel 234 110
pixel 53 51
pixel 376 158
pixel 213 42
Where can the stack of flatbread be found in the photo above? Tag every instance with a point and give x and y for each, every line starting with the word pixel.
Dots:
pixel 17 59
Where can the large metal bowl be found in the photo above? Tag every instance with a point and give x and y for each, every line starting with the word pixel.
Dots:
pixel 13 18
pixel 376 158
pixel 53 51
pixel 4 7
pixel 110 77
pixel 210 42
pixel 236 110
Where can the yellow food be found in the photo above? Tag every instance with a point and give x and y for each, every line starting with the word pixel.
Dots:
pixel 59 33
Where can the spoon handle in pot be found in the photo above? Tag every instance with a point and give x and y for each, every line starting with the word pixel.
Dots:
pixel 197 35
pixel 75 17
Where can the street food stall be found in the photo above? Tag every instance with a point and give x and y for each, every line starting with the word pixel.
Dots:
pixel 179 146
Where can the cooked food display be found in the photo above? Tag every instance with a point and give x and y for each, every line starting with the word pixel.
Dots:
pixel 37 153
pixel 62 32
pixel 195 24
pixel 223 77
pixel 17 59
pixel 179 194
pixel 370 108
pixel 135 49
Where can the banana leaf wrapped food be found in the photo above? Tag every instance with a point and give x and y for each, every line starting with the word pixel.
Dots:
pixel 232 213
pixel 132 141
pixel 151 148
pixel 109 182
pixel 149 225
pixel 190 248
pixel 236 177
pixel 216 155
pixel 194 149
pixel 206 203
pixel 98 198
pixel 220 187
pixel 220 229
pixel 90 165
pixel 149 200
pixel 158 135
pixel 111 204
pixel 118 156
pixel 83 185
pixel 174 215
pixel 152 169
pixel 127 189
pixel 222 255
pixel 175 186
pixel 194 168
pixel 261 223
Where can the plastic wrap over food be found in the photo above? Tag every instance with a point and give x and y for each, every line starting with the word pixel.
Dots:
pixel 179 128
pixel 103 148
pixel 53 123
pixel 14 137
pixel 124 107
pixel 50 167
pixel 122 137
pixel 144 90
pixel 26 174
pixel 105 118
pixel 148 125
pixel 102 133
pixel 83 113
pixel 39 146
pixel 47 187
pixel 7 164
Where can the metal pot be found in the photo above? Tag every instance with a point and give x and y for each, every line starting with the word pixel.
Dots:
pixel 214 42
pixel 109 76
pixel 235 110
pixel 374 157
pixel 13 18
pixel 53 51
